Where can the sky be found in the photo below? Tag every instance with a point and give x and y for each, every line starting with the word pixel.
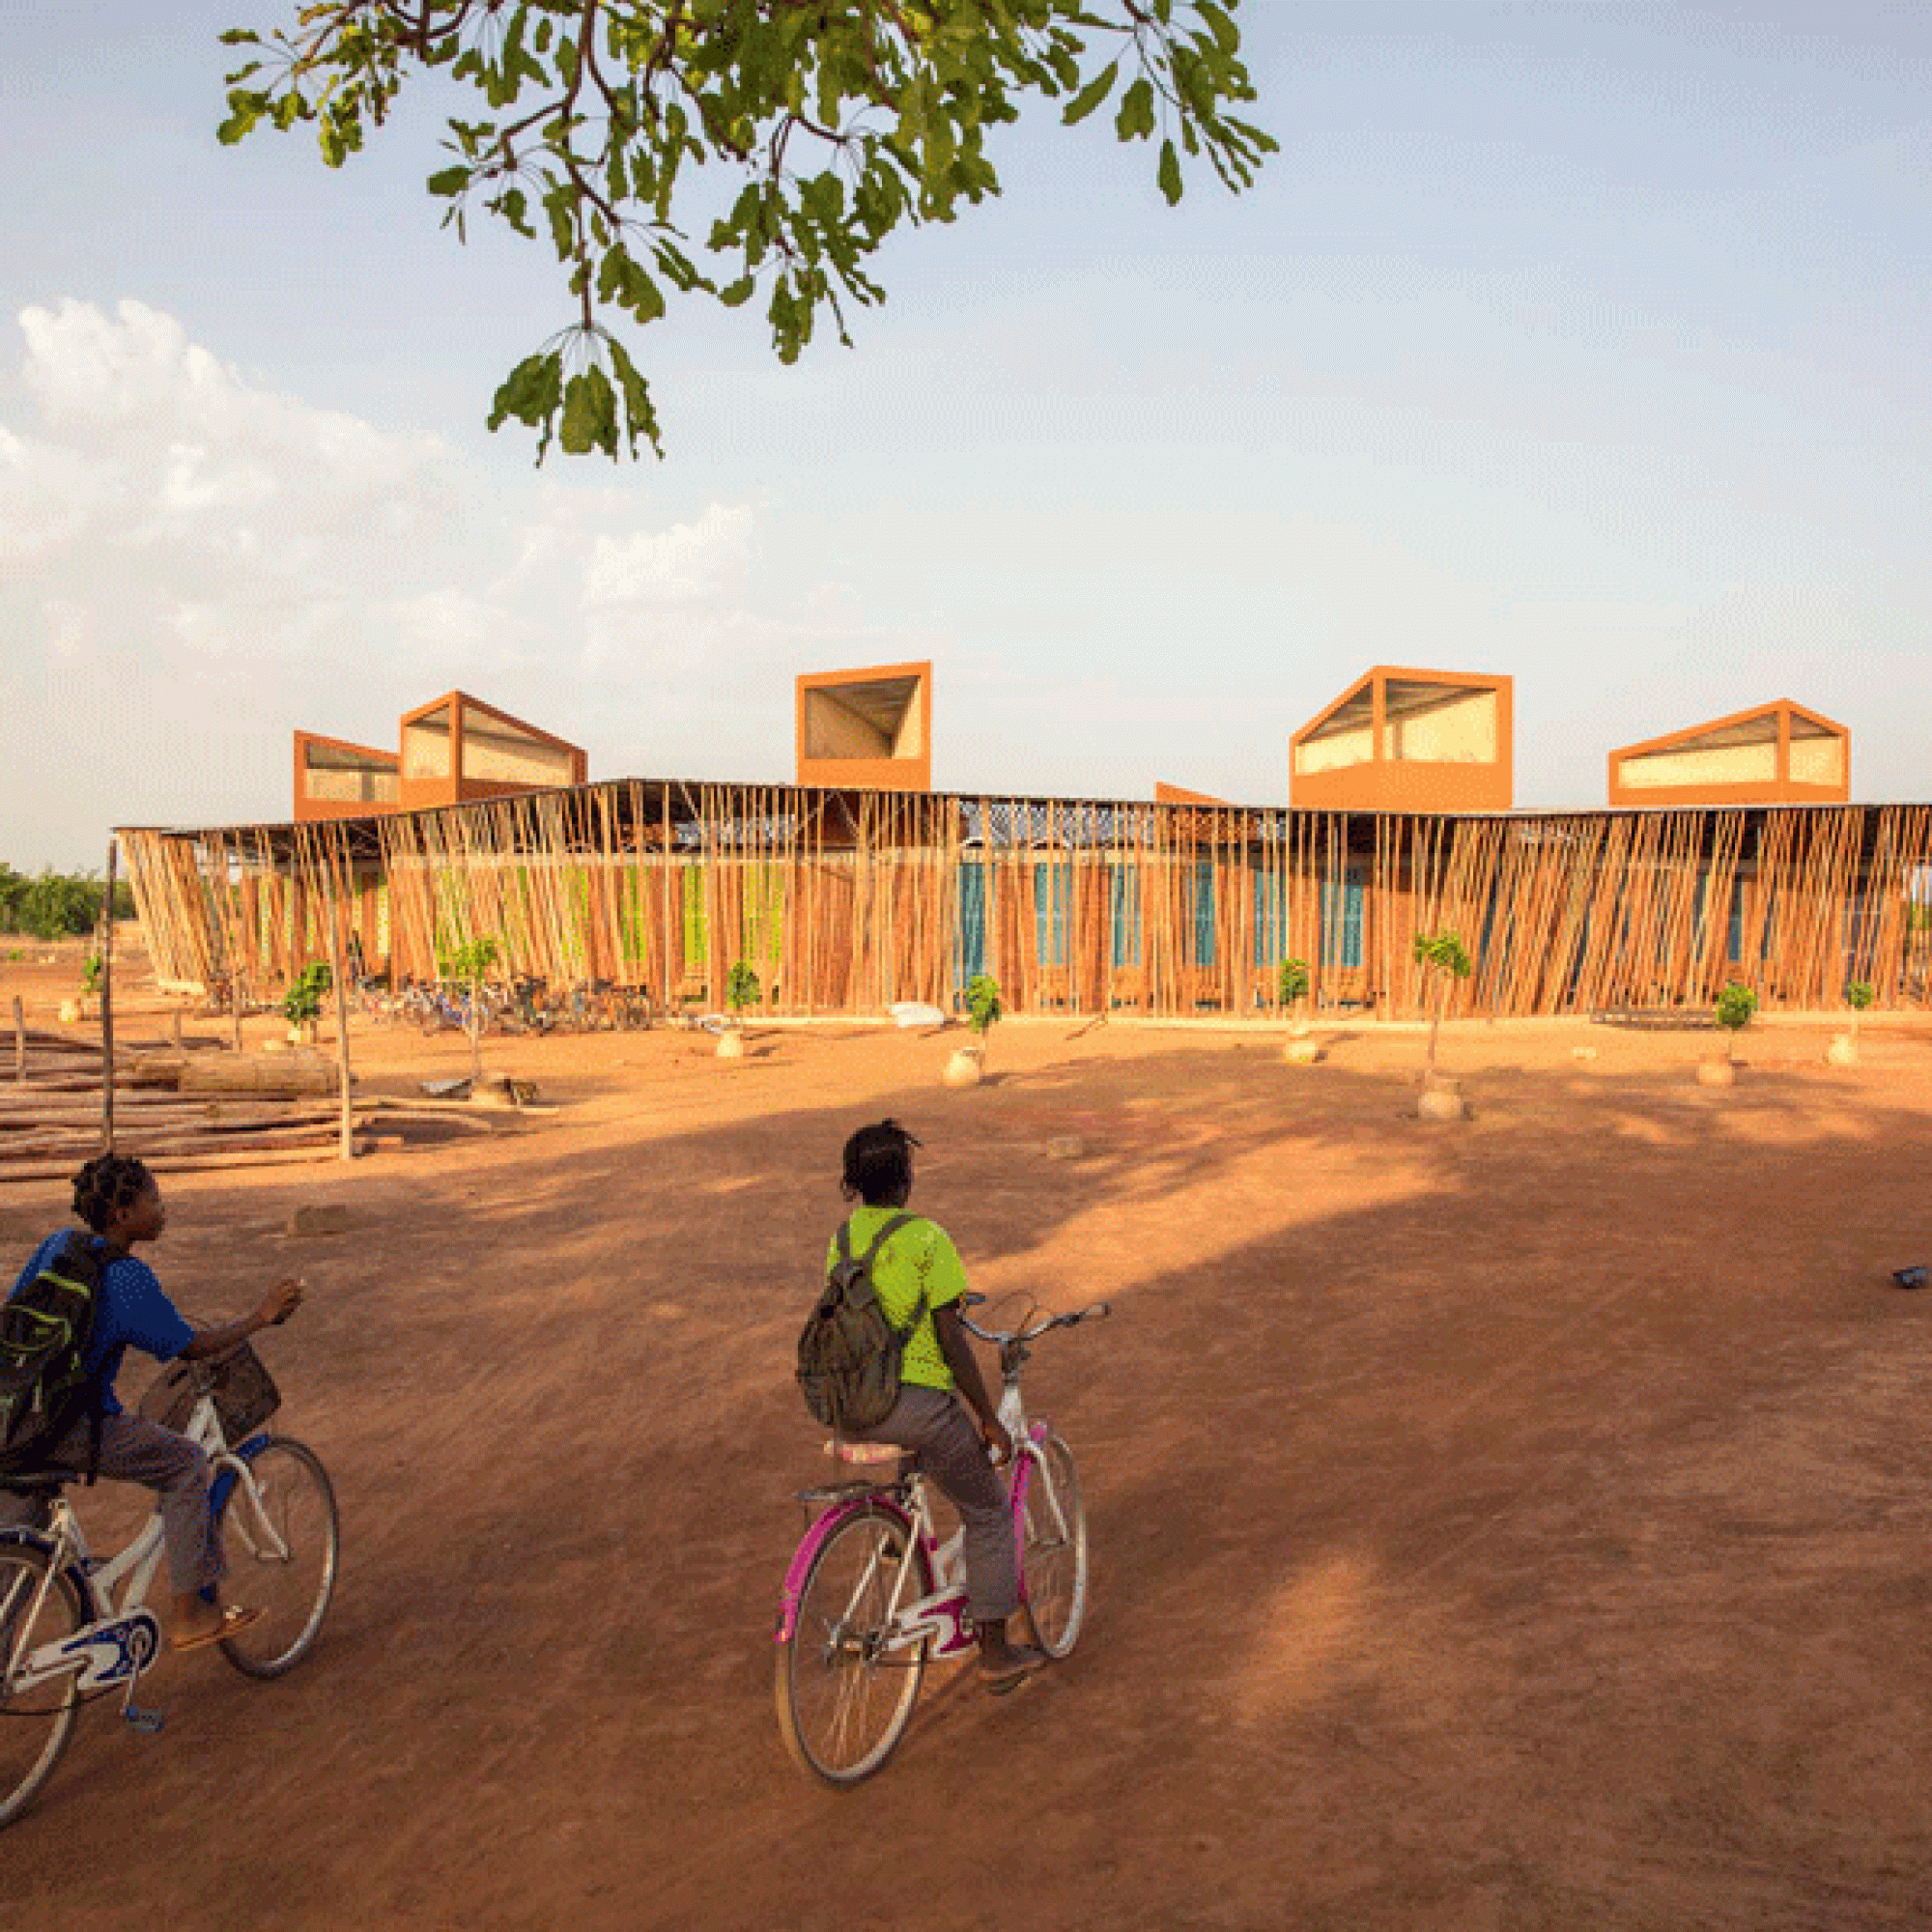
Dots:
pixel 1581 340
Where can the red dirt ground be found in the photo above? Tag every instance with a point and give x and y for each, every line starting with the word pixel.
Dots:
pixel 1515 1525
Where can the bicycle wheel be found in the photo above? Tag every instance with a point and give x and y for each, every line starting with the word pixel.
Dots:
pixel 282 1543
pixel 1053 1549
pixel 35 1722
pixel 845 1699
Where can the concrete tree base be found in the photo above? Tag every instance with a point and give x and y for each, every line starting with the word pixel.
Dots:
pixel 963 1069
pixel 1843 1050
pixel 1441 1100
pixel 1717 1073
pixel 731 1045
pixel 1301 1051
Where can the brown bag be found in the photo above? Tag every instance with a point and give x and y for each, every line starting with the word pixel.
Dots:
pixel 246 1395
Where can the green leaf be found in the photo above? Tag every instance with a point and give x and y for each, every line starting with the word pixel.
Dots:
pixel 1227 35
pixel 735 294
pixel 245 110
pixel 1135 118
pixel 1091 96
pixel 449 181
pixel 1170 173
pixel 579 431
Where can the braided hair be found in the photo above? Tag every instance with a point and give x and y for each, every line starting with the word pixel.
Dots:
pixel 104 1186
pixel 878 1163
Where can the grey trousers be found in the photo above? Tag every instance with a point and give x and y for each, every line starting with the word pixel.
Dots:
pixel 948 1447
pixel 135 1450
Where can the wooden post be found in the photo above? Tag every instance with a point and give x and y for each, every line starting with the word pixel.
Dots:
pixel 175 1017
pixel 235 999
pixel 341 1007
pixel 19 1040
pixel 107 1001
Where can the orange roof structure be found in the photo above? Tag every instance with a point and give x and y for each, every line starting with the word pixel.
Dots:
pixel 335 779
pixel 1775 754
pixel 870 728
pixel 452 749
pixel 1399 740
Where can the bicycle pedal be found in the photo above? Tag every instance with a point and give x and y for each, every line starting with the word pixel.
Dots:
pixel 147 1722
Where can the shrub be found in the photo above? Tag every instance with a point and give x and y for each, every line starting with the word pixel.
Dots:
pixel 56 905
pixel 1292 981
pixel 301 1003
pixel 1736 1005
pixel 741 987
pixel 982 1003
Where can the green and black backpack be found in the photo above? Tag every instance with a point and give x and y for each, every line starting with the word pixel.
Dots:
pixel 44 1386
pixel 849 1354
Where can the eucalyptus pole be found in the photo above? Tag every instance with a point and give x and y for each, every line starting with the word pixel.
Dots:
pixel 107 1000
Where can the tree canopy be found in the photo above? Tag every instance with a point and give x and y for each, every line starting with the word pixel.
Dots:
pixel 838 121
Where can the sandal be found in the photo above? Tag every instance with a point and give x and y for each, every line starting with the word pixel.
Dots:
pixel 235 1619
pixel 1026 1661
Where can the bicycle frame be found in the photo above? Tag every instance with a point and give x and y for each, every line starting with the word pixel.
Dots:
pixel 939 1617
pixel 122 1638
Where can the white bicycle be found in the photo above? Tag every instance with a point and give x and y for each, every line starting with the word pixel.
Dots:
pixel 72 1629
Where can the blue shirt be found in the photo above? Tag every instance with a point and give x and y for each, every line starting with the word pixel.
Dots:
pixel 132 1314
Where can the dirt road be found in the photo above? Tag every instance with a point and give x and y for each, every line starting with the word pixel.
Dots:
pixel 1515 1525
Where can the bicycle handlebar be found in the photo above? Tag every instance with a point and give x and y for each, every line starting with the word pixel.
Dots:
pixel 1095 1312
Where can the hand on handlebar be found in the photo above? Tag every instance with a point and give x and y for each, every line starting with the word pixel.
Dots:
pixel 999 1444
pixel 280 1303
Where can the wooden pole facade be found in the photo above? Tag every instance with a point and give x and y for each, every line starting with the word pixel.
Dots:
pixel 851 901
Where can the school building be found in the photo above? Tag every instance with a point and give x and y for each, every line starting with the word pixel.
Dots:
pixel 848 895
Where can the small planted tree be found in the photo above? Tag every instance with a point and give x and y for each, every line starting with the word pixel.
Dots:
pixel 1290 985
pixel 983 1009
pixel 741 989
pixel 469 964
pixel 1444 960
pixel 1843 1050
pixel 1736 1005
pixel 301 1003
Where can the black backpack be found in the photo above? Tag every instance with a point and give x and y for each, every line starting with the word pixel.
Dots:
pixel 848 1356
pixel 45 1387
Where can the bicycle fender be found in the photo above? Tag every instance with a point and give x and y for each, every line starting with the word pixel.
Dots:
pixel 1030 1453
pixel 21 1537
pixel 812 1542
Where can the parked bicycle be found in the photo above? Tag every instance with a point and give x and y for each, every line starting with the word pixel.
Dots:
pixel 872 1594
pixel 66 1638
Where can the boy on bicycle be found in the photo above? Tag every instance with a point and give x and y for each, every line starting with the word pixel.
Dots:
pixel 120 1203
pixel 952 1447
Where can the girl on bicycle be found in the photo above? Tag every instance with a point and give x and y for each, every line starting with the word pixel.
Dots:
pixel 952 1447
pixel 120 1203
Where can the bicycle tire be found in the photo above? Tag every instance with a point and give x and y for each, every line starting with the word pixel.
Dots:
pixel 1053 1549
pixel 48 1713
pixel 818 1651
pixel 299 1502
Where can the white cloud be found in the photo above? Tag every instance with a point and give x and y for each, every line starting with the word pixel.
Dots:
pixel 688 563
pixel 193 565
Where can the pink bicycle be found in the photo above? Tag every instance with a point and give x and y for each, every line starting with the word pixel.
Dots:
pixel 872 1593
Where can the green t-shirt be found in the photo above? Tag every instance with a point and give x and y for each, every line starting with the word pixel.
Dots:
pixel 919 1256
